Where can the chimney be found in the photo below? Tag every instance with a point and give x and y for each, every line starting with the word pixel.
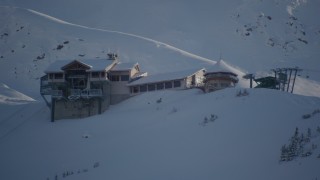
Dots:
pixel 112 56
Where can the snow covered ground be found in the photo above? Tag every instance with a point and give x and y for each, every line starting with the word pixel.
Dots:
pixel 161 36
pixel 143 139
pixel 189 135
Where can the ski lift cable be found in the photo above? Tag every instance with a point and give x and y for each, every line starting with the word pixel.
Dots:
pixel 312 70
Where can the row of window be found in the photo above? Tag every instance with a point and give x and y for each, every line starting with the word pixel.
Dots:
pixel 94 75
pixel 157 86
pixel 119 77
pixel 98 74
pixel 56 76
pixel 223 85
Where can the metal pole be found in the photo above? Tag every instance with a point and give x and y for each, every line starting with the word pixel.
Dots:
pixel 289 79
pixel 294 79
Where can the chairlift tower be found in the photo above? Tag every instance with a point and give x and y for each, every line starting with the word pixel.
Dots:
pixel 284 78
pixel 249 76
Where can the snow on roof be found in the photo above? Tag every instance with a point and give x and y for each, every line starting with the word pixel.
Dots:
pixel 165 77
pixel 220 66
pixel 99 65
pixel 94 64
pixel 124 66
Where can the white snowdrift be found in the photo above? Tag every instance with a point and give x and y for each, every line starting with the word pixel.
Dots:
pixel 143 139
pixel 11 96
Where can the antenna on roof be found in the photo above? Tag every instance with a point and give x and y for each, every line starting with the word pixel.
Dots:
pixel 220 55
pixel 112 56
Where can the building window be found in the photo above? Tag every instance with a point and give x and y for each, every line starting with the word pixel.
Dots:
pixel 95 74
pixel 103 74
pixel 160 86
pixel 176 84
pixel 124 77
pixel 224 85
pixel 135 89
pixel 114 78
pixel 143 88
pixel 151 87
pixel 168 85
pixel 51 76
pixel 58 76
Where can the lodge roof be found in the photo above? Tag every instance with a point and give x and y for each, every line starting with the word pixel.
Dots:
pixel 124 66
pixel 165 77
pixel 93 65
pixel 219 67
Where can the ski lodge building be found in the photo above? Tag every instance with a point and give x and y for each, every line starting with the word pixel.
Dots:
pixel 218 77
pixel 82 88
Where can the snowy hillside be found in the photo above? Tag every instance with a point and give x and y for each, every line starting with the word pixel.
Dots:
pixel 10 96
pixel 25 53
pixel 161 36
pixel 189 135
pixel 235 133
pixel 254 35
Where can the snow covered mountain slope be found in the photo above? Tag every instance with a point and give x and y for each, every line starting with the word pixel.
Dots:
pixel 30 41
pixel 255 35
pixel 10 96
pixel 25 53
pixel 189 135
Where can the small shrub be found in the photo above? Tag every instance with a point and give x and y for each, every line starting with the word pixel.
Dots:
pixel 213 117
pixel 316 112
pixel 42 56
pixel 174 110
pixel 306 116
pixel 159 100
pixel 242 93
pixel 59 47
pixel 206 120
pixel 96 164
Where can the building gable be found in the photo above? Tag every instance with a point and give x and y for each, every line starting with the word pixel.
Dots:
pixel 76 65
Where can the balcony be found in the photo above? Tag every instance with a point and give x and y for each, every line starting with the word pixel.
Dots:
pixel 221 76
pixel 86 93
pixel 56 93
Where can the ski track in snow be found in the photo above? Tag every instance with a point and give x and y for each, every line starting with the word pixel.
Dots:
pixel 158 43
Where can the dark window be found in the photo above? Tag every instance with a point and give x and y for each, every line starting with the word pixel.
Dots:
pixel 96 86
pixel 125 78
pixel 115 78
pixel 176 84
pixel 58 76
pixel 103 74
pixel 224 85
pixel 76 72
pixel 135 89
pixel 143 88
pixel 95 74
pixel 151 87
pixel 51 76
pixel 168 84
pixel 160 86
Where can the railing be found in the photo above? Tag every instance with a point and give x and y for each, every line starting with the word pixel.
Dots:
pixel 56 93
pixel 86 93
pixel 75 92
pixel 92 92
pixel 222 76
